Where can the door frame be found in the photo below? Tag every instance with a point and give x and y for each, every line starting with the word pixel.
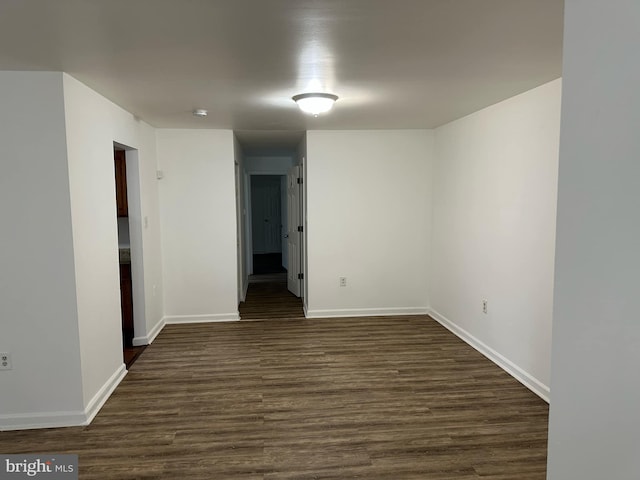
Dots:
pixel 295 180
pixel 248 251
pixel 303 244
pixel 136 221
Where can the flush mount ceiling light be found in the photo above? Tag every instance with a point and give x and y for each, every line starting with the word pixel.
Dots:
pixel 315 103
pixel 200 112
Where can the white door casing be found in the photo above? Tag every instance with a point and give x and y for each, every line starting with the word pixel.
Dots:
pixel 284 218
pixel 293 239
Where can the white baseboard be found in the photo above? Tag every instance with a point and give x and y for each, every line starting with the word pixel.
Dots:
pixel 99 399
pixel 365 312
pixel 174 319
pixel 219 317
pixel 524 377
pixel 151 336
pixel 31 421
pixel 65 419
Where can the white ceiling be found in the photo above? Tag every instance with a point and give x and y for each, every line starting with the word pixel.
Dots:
pixel 394 64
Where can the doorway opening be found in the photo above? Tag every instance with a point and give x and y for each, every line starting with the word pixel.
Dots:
pixel 270 293
pixel 270 226
pixel 129 250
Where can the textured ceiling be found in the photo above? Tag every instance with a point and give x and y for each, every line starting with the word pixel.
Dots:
pixel 394 64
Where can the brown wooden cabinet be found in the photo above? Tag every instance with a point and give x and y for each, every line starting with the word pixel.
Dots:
pixel 121 183
pixel 126 302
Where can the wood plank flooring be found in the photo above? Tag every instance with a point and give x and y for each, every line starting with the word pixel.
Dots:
pixel 268 298
pixel 371 398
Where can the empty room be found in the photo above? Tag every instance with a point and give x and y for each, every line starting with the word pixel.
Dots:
pixel 311 239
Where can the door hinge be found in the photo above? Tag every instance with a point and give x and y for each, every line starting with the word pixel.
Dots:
pixel 300 276
pixel 300 228
pixel 299 180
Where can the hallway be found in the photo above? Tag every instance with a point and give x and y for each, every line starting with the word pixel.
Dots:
pixel 268 298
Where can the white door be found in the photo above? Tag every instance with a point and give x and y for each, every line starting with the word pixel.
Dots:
pixel 293 239
pixel 265 214
pixel 284 219
pixel 272 220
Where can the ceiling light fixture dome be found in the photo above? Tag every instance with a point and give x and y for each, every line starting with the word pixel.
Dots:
pixel 315 103
pixel 200 112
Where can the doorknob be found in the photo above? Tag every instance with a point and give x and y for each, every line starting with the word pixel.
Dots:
pixel 286 235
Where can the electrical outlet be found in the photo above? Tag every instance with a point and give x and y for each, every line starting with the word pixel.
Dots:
pixel 5 361
pixel 343 281
pixel 484 306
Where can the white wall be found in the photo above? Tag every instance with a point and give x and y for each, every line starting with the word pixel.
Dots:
pixel 92 125
pixel 594 419
pixel 368 218
pixel 494 208
pixel 38 316
pixel 273 165
pixel 63 323
pixel 150 227
pixel 198 224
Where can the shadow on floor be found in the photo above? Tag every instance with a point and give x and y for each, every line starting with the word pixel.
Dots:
pixel 264 263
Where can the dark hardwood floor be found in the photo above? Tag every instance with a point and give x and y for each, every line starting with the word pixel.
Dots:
pixel 373 398
pixel 268 298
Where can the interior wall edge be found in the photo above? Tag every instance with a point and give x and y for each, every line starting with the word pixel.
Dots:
pixel 151 335
pixel 60 419
pixel 101 397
